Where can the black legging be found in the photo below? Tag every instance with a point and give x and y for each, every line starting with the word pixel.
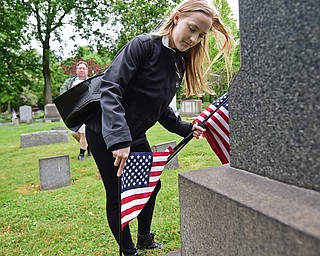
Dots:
pixel 105 163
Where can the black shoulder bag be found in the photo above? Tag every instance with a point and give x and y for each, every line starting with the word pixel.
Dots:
pixel 80 103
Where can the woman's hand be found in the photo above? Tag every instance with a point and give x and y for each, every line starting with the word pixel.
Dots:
pixel 197 130
pixel 121 155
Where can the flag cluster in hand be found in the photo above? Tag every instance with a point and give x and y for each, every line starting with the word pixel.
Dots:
pixel 217 128
pixel 139 178
pixel 143 169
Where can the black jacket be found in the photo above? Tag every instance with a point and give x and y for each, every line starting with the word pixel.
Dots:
pixel 136 91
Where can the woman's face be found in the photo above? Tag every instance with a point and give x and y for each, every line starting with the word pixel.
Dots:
pixel 189 29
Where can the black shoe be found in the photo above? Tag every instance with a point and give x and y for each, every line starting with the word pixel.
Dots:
pixel 135 253
pixel 147 242
pixel 81 157
pixel 89 151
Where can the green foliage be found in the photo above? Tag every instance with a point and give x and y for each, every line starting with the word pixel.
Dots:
pixel 137 17
pixel 47 20
pixel 97 63
pixel 43 74
pixel 71 220
pixel 16 67
pixel 19 74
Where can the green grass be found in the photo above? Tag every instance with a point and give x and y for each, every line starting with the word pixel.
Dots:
pixel 71 220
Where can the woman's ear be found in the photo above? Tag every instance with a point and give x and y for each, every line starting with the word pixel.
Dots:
pixel 176 17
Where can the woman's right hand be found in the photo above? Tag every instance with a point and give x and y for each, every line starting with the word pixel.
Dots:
pixel 121 155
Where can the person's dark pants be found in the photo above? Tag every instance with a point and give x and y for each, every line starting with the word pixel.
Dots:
pixel 105 163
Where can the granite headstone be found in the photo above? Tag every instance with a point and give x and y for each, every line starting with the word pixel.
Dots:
pixel 51 113
pixel 54 172
pixel 267 201
pixel 43 138
pixel 25 113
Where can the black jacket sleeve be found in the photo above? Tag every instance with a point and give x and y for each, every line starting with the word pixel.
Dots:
pixel 173 123
pixel 113 87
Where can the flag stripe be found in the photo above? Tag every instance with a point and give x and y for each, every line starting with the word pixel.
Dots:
pixel 132 204
pixel 221 152
pixel 129 199
pixel 218 127
pixel 215 129
pixel 219 142
pixel 217 139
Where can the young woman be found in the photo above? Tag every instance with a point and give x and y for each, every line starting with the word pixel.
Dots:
pixel 136 91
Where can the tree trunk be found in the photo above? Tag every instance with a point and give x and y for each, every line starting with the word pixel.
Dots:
pixel 46 72
pixel 9 107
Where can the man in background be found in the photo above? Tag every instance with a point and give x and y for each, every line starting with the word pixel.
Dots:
pixel 81 75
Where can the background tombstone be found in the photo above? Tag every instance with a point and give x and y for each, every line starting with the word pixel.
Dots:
pixel 25 113
pixel 173 164
pixel 191 107
pixel 43 138
pixel 51 113
pixel 267 201
pixel 54 172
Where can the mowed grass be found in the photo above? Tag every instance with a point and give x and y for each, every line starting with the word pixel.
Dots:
pixel 72 220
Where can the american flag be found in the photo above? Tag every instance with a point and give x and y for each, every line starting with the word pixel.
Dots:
pixel 217 128
pixel 139 178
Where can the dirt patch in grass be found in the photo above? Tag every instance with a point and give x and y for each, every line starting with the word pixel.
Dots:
pixel 28 188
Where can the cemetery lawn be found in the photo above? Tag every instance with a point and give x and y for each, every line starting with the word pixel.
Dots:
pixel 71 220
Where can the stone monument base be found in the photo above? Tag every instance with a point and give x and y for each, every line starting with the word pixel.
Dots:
pixel 227 211
pixel 174 253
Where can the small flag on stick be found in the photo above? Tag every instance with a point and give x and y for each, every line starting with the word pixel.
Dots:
pixel 139 178
pixel 217 127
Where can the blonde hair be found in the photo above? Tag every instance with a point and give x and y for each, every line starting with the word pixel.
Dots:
pixel 195 57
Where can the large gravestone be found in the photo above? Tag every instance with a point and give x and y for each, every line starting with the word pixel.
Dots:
pixel 278 88
pixel 267 201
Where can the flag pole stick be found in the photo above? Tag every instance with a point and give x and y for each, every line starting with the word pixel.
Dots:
pixel 186 139
pixel 119 204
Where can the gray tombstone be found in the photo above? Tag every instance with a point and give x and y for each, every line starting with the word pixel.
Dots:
pixel 59 128
pixel 267 201
pixel 25 113
pixel 54 172
pixel 173 164
pixel 51 113
pixel 43 138
pixel 191 107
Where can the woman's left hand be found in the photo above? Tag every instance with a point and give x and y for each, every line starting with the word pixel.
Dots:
pixel 121 156
pixel 197 130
